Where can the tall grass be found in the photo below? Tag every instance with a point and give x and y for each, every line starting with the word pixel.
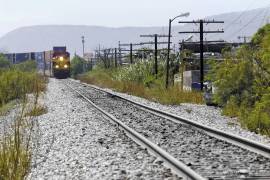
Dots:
pixel 137 80
pixel 15 153
pixel 15 140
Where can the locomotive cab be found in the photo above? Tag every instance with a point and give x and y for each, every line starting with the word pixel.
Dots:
pixel 61 64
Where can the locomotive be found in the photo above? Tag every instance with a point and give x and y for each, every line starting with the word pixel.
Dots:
pixel 60 63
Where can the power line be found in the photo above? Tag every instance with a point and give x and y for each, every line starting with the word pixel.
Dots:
pixel 244 26
pixel 130 50
pixel 244 38
pixel 265 15
pixel 155 36
pixel 202 32
pixel 238 17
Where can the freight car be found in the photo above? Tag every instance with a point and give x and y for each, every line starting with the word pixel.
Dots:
pixel 43 62
pixel 60 63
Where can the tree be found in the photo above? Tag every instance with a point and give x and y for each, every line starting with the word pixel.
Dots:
pixel 77 66
pixel 243 81
pixel 4 62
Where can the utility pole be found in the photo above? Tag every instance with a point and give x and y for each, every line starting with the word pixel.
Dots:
pixel 130 50
pixel 201 32
pixel 83 41
pixel 115 56
pixel 245 38
pixel 155 36
pixel 91 63
pixel 50 59
pixel 130 53
pixel 99 52
pixel 120 53
pixel 110 54
pixel 156 54
pixel 201 55
pixel 44 64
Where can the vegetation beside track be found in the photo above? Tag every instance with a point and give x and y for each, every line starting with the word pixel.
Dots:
pixel 138 79
pixel 16 83
pixel 243 83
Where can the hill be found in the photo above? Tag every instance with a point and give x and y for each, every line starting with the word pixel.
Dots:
pixel 40 38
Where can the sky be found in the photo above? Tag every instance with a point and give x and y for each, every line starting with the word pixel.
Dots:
pixel 112 13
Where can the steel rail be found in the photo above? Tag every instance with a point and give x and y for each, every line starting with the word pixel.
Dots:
pixel 180 168
pixel 237 140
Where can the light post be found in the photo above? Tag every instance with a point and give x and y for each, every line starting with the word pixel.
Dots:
pixel 169 43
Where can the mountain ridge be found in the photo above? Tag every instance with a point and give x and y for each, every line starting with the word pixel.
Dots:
pixel 44 37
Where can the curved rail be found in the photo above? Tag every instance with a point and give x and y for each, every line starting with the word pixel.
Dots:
pixel 181 169
pixel 231 138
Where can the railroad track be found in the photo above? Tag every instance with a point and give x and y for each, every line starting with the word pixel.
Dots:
pixel 211 153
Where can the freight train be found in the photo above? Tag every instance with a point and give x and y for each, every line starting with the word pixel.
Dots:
pixel 56 61
pixel 42 58
pixel 60 62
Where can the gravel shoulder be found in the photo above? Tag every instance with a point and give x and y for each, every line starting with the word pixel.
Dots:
pixel 206 115
pixel 210 157
pixel 7 120
pixel 77 142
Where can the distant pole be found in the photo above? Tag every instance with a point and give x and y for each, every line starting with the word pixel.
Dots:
pixel 83 41
pixel 156 54
pixel 201 54
pixel 168 55
pixel 131 56
pixel 201 32
pixel 99 52
pixel 51 64
pixel 120 58
pixel 44 64
pixel 115 57
pixel 91 63
pixel 182 64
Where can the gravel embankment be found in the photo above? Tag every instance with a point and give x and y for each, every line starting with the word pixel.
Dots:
pixel 206 115
pixel 77 142
pixel 16 112
pixel 208 156
pixel 7 120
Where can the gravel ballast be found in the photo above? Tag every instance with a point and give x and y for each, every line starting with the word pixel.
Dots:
pixel 206 115
pixel 206 155
pixel 77 142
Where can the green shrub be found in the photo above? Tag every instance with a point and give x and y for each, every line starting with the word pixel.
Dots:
pixel 15 151
pixel 4 62
pixel 15 84
pixel 19 80
pixel 259 119
pixel 27 66
pixel 37 111
pixel 141 72
pixel 234 77
pixel 232 107
pixel 14 157
pixel 243 81
pixel 137 79
pixel 77 66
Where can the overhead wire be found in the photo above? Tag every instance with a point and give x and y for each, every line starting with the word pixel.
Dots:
pixel 245 25
pixel 237 18
pixel 265 15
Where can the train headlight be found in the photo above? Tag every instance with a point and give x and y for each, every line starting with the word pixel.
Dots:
pixel 65 66
pixel 56 66
pixel 61 58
